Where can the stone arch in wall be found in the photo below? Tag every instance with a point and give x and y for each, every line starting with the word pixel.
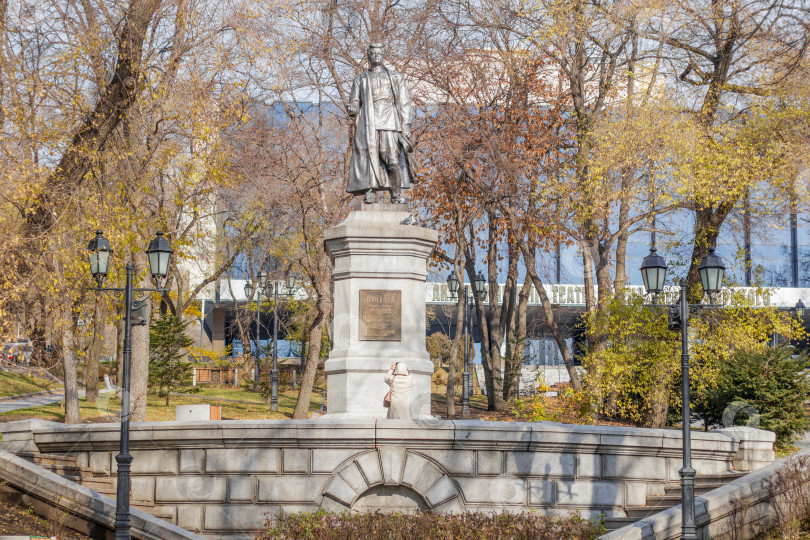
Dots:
pixel 390 478
pixel 391 498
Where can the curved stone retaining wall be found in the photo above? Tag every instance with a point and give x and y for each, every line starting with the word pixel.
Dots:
pixel 224 478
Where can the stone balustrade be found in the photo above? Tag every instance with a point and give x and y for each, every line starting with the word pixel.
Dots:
pixel 222 479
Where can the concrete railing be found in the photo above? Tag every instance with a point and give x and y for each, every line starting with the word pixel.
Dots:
pixel 224 478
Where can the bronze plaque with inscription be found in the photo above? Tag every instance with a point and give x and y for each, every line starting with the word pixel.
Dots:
pixel 380 315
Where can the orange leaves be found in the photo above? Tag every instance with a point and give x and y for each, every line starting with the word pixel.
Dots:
pixel 497 143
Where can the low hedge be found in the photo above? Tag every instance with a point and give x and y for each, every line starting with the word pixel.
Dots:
pixel 425 525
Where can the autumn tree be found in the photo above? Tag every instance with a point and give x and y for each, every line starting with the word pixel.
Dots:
pixel 496 131
pixel 112 116
pixel 735 61
pixel 297 181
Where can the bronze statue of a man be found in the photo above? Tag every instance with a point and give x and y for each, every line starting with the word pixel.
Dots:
pixel 383 113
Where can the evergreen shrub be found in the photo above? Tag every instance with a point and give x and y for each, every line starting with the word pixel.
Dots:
pixel 765 389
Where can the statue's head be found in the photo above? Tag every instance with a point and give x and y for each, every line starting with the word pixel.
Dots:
pixel 375 54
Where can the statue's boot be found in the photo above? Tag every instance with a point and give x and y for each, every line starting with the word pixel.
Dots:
pixel 369 198
pixel 396 192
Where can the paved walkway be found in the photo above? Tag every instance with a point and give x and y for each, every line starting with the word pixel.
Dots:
pixel 33 401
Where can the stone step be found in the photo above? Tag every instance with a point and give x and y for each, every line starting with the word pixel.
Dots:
pixel 721 477
pixel 672 496
pixel 664 500
pixel 48 459
pixel 700 489
pixel 639 512
pixel 613 523
pixel 99 485
pixel 706 482
pixel 102 490
pixel 70 470
pixel 151 508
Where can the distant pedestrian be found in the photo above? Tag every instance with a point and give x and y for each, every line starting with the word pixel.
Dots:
pixel 401 382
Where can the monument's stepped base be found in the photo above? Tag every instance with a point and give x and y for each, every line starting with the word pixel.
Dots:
pixel 222 479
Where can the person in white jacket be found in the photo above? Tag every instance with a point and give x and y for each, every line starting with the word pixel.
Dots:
pixel 401 382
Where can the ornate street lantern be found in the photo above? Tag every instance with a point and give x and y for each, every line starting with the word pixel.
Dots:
pixel 160 254
pixel 711 271
pixel 654 272
pixel 290 281
pixel 452 284
pixel 100 252
pixel 480 285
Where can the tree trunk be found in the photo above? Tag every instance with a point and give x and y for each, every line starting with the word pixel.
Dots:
pixel 72 414
pixel 244 315
pixel 490 321
pixel 301 411
pixel 511 363
pixel 461 306
pixel 588 285
pixel 111 106
pixel 3 6
pixel 620 280
pixel 119 350
pixel 39 339
pixel 139 370
pixel 455 347
pixel 656 416
pixel 513 370
pixel 493 379
pixel 323 307
pixel 527 248
pixel 91 366
pixel 528 256
pixel 707 228
pixel 628 173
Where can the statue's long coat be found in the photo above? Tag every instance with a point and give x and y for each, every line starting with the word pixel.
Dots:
pixel 365 169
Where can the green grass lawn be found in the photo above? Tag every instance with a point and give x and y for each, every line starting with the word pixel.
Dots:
pixel 13 384
pixel 250 406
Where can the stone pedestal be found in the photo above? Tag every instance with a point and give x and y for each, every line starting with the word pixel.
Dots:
pixel 384 262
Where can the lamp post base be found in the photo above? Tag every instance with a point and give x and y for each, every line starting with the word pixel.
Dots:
pixel 274 391
pixel 689 531
pixel 122 520
pixel 465 394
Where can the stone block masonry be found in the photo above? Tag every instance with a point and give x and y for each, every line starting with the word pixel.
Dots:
pixel 223 479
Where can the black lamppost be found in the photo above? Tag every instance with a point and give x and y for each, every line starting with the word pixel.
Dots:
pixel 159 255
pixel 653 271
pixel 290 283
pixel 261 285
pixel 480 286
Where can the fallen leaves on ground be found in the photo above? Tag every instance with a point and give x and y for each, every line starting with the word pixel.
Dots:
pixel 16 519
